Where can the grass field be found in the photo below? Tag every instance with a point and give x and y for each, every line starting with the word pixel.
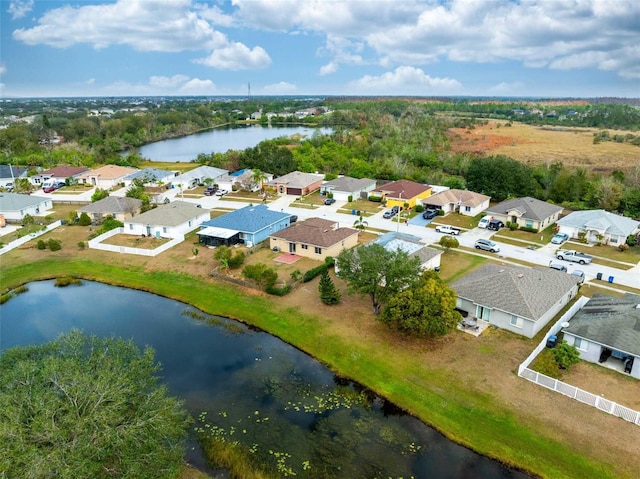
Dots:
pixel 539 145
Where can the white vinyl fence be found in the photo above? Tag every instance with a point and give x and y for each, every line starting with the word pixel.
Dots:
pixel 567 389
pixel 96 243
pixel 25 239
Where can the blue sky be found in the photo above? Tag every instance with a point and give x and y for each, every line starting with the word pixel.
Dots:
pixel 544 48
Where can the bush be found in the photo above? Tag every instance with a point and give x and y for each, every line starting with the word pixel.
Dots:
pixel 84 220
pixel 236 261
pixel 546 364
pixel 350 199
pixel 632 240
pixel 623 247
pixel 82 245
pixel 419 208
pixel 529 229
pixel 313 272
pixel 261 274
pixel 278 291
pixel 512 225
pixel 566 355
pixel 54 244
pixel 440 212
pixel 375 199
pixel 41 245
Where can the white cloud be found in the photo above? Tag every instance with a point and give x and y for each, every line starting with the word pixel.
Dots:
pixel 3 69
pixel 167 82
pixel 281 88
pixel 90 81
pixel 405 80
pixel 507 89
pixel 236 56
pixel 195 86
pixel 20 8
pixel 329 68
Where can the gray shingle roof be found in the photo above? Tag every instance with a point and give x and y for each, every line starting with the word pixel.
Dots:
pixel 525 292
pixel 17 202
pixel 112 204
pixel 295 179
pixel 531 208
pixel 613 322
pixel 171 214
pixel 600 220
pixel 249 219
pixel 348 184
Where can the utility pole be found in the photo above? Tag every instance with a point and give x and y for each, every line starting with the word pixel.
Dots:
pixel 399 210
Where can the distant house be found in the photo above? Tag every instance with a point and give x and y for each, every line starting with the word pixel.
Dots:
pixel 607 331
pixel 14 206
pixel 464 202
pixel 249 225
pixel 9 174
pixel 106 177
pixel 60 174
pixel 198 176
pixel 296 183
pixel 150 177
pixel 410 244
pixel 314 238
pixel 522 300
pixel 120 208
pixel 397 193
pixel 167 221
pixel 345 187
pixel 613 229
pixel 527 212
pixel 242 180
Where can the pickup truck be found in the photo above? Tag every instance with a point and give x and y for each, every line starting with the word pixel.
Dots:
pixel 448 230
pixel 575 256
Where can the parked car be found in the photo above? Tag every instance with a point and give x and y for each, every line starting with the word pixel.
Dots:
pixel 61 184
pixel 430 214
pixel 559 267
pixel 448 230
pixel 391 213
pixel 579 274
pixel 49 188
pixel 559 238
pixel 221 192
pixel 210 190
pixel 293 218
pixel 329 201
pixel 575 256
pixel 487 245
pixel 484 222
pixel 495 225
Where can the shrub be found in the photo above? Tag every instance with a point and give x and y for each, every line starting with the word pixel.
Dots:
pixel 261 274
pixel 419 208
pixel 84 220
pixel 286 289
pixel 529 229
pixel 375 199
pixel 236 261
pixel 82 245
pixel 350 198
pixel 54 244
pixel 566 355
pixel 67 281
pixel 632 240
pixel 5 297
pixel 512 225
pixel 109 224
pixel 546 364
pixel 41 244
pixel 623 247
pixel 440 212
pixel 313 272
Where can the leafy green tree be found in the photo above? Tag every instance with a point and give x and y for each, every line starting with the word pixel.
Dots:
pixel 329 294
pixel 83 406
pixel 500 177
pixel 448 241
pixel 261 274
pixel 425 310
pixel 372 270
pixel 360 224
pixel 566 355
pixel 99 194
pixel 28 220
pixel 54 244
pixel 84 220
pixel 223 254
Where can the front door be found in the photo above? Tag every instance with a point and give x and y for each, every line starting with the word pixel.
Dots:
pixel 292 248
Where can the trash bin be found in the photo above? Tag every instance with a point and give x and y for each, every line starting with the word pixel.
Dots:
pixel 610 279
pixel 353 212
pixel 551 341
pixel 599 276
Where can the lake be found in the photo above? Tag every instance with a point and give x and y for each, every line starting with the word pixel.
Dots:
pixel 251 387
pixel 219 140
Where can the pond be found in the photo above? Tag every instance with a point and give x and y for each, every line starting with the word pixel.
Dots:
pixel 289 410
pixel 220 140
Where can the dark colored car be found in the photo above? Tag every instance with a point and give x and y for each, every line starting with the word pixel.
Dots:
pixel 329 201
pixel 430 214
pixel 293 218
pixel 62 184
pixel 210 191
pixel 495 225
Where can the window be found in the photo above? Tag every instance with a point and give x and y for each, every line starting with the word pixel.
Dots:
pixel 529 224
pixel 304 246
pixel 516 321
pixel 164 229
pixel 318 250
pixel 580 343
pixel 467 208
pixel 130 226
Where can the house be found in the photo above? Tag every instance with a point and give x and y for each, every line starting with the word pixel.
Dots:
pixel 151 177
pixel 242 180
pixel 60 174
pixel 607 330
pixel 120 208
pixel 9 174
pixel 14 206
pixel 345 188
pixel 314 238
pixel 598 226
pixel 464 202
pixel 522 300
pixel 397 193
pixel 296 183
pixel 526 212
pixel 171 220
pixel 249 225
pixel 198 176
pixel 106 177
pixel 410 244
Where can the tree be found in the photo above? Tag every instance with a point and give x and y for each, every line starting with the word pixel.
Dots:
pixel 83 406
pixel 360 224
pixel 258 177
pixel 566 355
pixel 223 255
pixel 84 220
pixel 500 177
pixel 329 294
pixel 99 194
pixel 374 271
pixel 425 310
pixel 448 241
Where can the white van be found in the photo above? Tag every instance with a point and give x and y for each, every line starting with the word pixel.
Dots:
pixel 484 222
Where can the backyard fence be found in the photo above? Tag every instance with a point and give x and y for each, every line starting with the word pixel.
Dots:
pixel 96 243
pixel 25 239
pixel 573 392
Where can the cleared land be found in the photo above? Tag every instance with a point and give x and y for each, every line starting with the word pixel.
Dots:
pixel 573 147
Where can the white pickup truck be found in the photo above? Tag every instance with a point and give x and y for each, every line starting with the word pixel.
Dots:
pixel 575 256
pixel 448 230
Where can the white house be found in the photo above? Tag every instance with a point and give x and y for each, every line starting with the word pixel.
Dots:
pixel 192 178
pixel 612 228
pixel 170 220
pixel 14 206
pixel 344 187
pixel 465 202
pixel 242 179
pixel 522 300
pixel 607 331
pixel 410 244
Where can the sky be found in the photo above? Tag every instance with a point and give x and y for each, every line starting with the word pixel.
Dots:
pixel 530 48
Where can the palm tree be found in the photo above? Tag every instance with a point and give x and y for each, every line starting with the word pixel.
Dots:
pixel 360 224
pixel 258 177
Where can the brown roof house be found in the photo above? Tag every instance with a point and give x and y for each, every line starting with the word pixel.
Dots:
pixel 527 212
pixel 315 238
pixel 60 174
pixel 120 208
pixel 397 193
pixel 296 183
pixel 464 202
pixel 106 177
pixel 522 300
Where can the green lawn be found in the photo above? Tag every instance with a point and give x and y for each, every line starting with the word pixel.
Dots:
pixel 541 238
pixel 632 255
pixel 458 220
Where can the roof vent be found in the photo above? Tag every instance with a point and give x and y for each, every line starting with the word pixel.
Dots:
pixel 520 275
pixel 501 271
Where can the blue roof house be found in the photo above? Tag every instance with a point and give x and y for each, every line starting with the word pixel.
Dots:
pixel 249 225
